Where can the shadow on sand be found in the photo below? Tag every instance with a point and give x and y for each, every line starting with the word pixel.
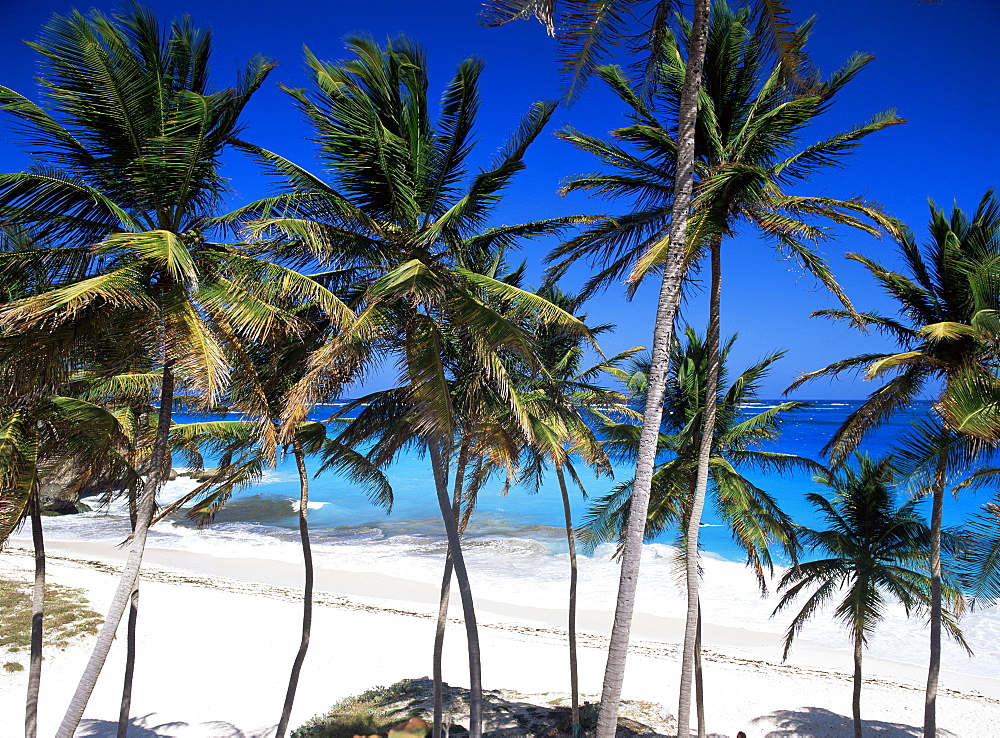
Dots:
pixel 146 727
pixel 817 721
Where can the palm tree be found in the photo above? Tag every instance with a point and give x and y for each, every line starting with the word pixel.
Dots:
pixel 56 421
pixel 585 29
pixel 130 395
pixel 748 152
pixel 242 460
pixel 261 378
pixel 979 563
pixel 754 516
pixel 394 223
pixel 126 185
pixel 947 287
pixel 562 402
pixel 486 442
pixel 873 550
pixel 37 435
pixel 484 445
pixel 588 26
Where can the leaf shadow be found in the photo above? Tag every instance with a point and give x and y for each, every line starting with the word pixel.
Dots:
pixel 146 727
pixel 819 721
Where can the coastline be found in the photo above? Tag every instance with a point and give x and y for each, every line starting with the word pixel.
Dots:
pixel 217 636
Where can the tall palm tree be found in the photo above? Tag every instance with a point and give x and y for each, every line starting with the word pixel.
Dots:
pixel 748 152
pixel 873 550
pixel 126 183
pixel 259 384
pixel 585 29
pixel 586 33
pixel 945 284
pixel 754 516
pixel 562 403
pixel 394 221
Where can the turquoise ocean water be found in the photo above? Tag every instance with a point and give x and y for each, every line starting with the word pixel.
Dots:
pixel 516 549
pixel 341 510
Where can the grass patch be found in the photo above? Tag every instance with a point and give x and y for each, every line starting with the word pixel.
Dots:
pixel 371 712
pixel 11 666
pixel 67 616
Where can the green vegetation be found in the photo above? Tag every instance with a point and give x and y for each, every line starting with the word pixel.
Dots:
pixel 68 616
pixel 373 711
pixel 123 287
pixel 872 549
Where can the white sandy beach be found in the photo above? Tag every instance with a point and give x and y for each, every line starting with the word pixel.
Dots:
pixel 217 637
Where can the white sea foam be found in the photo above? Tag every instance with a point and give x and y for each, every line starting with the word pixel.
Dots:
pixel 309 505
pixel 531 567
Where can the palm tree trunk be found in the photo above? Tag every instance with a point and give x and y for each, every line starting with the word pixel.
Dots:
pixel 669 300
pixel 130 574
pixel 37 616
pixel 130 640
pixel 130 637
pixel 701 488
pixel 307 590
pixel 934 668
pixel 445 599
pixel 437 669
pixel 856 697
pixel 699 682
pixel 574 680
pixel 440 466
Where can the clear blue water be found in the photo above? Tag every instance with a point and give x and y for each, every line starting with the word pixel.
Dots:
pixel 342 510
pixel 516 550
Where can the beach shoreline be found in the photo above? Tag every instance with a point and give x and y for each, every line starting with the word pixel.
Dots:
pixel 217 636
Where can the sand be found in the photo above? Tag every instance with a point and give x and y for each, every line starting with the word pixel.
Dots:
pixel 217 637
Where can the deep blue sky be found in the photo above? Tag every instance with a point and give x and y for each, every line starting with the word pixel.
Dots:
pixel 936 64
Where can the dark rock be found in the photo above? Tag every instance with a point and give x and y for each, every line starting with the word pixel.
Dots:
pixel 61 488
pixel 59 498
pixel 204 475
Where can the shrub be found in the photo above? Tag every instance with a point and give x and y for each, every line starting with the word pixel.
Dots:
pixel 373 711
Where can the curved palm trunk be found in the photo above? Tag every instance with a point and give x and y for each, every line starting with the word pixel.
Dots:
pixel 130 640
pixel 440 466
pixel 437 670
pixel 934 668
pixel 130 637
pixel 445 599
pixel 574 680
pixel 856 697
pixel 37 616
pixel 130 574
pixel 669 300
pixel 307 589
pixel 691 641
